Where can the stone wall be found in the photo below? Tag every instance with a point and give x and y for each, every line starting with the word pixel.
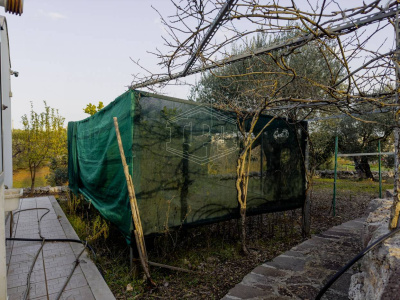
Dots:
pixel 351 174
pixel 380 268
pixel 47 190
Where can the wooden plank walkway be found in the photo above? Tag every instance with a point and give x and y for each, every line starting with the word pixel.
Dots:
pixel 55 260
pixel 301 272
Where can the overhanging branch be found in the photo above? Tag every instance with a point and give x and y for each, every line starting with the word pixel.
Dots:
pixel 335 30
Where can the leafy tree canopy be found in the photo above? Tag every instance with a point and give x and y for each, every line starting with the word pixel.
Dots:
pixel 357 134
pixel 299 73
pixel 91 109
pixel 42 138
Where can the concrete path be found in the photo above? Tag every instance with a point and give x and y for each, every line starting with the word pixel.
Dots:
pixel 301 272
pixel 55 260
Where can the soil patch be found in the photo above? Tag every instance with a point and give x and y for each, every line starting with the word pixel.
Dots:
pixel 213 251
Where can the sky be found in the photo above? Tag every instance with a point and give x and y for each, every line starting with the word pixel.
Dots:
pixel 70 53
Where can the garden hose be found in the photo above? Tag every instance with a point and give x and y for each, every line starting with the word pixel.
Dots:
pixel 353 261
pixel 70 274
pixel 28 279
pixel 44 240
pixel 54 241
pixel 40 219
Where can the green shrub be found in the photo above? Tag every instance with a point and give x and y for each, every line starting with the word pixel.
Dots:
pixel 58 171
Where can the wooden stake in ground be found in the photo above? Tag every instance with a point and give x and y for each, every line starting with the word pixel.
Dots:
pixel 139 237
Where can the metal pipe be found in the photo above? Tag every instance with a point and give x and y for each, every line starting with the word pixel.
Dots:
pixel 365 154
pixel 261 164
pixel 335 177
pixel 353 261
pixel 380 173
pixel 226 8
pixel 306 210
pixel 77 261
pixel 394 214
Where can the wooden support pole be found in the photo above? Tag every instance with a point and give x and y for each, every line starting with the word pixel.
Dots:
pixel 169 267
pixel 139 237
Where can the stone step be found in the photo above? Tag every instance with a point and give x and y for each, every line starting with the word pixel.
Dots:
pixel 301 272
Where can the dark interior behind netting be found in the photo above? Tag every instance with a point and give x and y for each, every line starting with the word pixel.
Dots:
pixel 183 159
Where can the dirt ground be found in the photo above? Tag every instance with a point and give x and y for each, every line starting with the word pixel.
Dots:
pixel 213 252
pixel 352 200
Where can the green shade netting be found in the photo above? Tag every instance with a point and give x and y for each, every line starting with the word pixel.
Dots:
pixel 182 159
pixel 94 161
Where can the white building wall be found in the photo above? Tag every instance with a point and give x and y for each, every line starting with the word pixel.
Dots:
pixel 3 267
pixel 5 94
pixel 5 147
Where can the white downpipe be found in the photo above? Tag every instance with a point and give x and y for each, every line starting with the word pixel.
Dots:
pixel 3 267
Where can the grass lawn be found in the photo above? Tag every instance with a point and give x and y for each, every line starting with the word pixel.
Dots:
pixel 354 186
pixel 346 164
pixel 22 177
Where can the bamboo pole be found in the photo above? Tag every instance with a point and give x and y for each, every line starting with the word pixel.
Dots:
pixel 139 237
pixel 169 267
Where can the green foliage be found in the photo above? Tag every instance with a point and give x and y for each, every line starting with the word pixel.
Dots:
pixel 388 161
pixel 18 148
pixel 90 231
pixel 322 145
pixel 251 86
pixel 73 203
pixel 356 135
pixel 58 171
pixel 86 220
pixel 99 229
pixel 42 138
pixel 91 109
pixel 356 187
pixel 363 135
pixel 59 163
pixel 79 225
pixel 298 74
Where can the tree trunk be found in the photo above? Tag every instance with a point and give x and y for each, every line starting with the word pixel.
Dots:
pixel 366 168
pixel 362 167
pixel 357 166
pixel 243 231
pixel 241 187
pixel 33 177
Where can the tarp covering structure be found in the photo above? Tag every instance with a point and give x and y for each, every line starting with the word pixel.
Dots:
pixel 182 157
